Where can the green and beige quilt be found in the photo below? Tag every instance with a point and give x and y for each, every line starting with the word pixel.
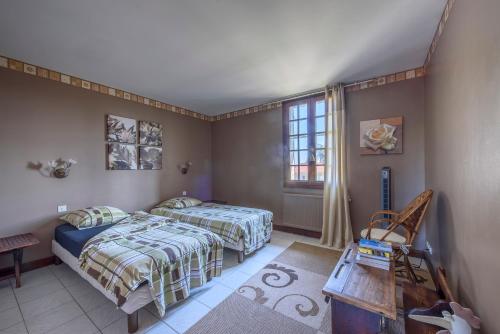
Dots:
pixel 230 222
pixel 171 257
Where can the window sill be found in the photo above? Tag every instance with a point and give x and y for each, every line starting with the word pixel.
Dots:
pixel 304 185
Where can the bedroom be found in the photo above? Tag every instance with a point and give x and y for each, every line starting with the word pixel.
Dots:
pixel 268 116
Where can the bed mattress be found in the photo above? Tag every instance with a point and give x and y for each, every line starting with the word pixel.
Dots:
pixel 73 239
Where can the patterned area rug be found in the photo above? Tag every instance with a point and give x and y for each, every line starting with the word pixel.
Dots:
pixel 284 297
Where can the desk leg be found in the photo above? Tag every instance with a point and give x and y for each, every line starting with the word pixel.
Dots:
pixel 18 259
pixel 347 319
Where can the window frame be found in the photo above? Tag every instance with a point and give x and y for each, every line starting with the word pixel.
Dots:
pixel 311 141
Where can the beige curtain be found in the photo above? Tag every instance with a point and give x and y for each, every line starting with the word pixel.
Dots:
pixel 337 231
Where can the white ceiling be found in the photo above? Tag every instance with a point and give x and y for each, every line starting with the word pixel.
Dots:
pixel 215 56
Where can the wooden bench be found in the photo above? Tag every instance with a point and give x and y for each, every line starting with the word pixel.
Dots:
pixel 15 245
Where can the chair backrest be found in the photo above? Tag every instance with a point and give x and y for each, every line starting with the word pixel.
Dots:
pixel 413 214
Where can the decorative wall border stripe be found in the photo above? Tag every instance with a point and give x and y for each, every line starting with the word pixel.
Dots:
pixel 386 79
pixel 439 31
pixel 247 111
pixel 41 72
pixel 370 83
pixel 20 66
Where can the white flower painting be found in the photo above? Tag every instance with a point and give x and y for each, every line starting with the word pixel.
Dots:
pixel 121 129
pixel 122 156
pixel 381 136
pixel 126 152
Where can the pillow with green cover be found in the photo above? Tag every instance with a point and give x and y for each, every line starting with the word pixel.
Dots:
pixel 94 216
pixel 179 203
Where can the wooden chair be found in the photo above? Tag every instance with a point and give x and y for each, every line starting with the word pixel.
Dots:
pixel 408 221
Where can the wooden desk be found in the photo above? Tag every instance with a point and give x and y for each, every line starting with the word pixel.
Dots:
pixel 361 297
pixel 16 244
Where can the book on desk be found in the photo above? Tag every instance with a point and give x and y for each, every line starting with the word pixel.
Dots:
pixel 374 253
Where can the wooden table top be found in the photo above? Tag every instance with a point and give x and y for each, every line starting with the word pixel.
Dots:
pixel 365 287
pixel 17 241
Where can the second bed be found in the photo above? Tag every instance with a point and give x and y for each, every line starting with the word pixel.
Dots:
pixel 243 229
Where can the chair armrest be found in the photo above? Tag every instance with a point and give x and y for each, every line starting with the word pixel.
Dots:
pixel 375 222
pixel 383 212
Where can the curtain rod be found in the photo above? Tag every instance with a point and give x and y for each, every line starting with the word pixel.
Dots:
pixel 320 90
pixel 356 82
pixel 299 95
pixel 314 92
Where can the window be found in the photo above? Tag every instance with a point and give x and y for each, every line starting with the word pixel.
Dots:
pixel 304 132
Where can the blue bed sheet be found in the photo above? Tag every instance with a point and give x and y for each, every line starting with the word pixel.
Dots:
pixel 73 239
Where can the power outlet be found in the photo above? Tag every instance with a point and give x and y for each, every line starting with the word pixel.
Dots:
pixel 62 208
pixel 428 247
pixel 184 193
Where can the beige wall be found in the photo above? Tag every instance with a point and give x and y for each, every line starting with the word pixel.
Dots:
pixel 42 120
pixel 248 158
pixel 405 98
pixel 463 157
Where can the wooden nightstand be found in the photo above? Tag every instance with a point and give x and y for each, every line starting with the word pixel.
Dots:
pixel 15 244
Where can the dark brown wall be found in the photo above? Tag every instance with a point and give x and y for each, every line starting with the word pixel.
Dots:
pixel 405 98
pixel 463 157
pixel 42 120
pixel 248 166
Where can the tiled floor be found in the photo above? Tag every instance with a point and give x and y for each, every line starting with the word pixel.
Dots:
pixel 55 299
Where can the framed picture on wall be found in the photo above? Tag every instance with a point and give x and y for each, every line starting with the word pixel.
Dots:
pixel 122 156
pixel 121 129
pixel 150 133
pixel 381 136
pixel 150 157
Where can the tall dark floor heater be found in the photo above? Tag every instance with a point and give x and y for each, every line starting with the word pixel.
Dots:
pixel 385 190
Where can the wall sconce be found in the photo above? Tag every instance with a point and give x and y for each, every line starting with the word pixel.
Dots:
pixel 184 168
pixel 60 168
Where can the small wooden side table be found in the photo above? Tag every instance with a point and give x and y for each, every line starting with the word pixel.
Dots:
pixel 361 297
pixel 16 244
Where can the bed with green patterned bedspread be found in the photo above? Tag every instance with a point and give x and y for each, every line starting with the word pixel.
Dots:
pixel 230 222
pixel 171 257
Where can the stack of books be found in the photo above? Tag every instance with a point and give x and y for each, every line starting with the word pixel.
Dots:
pixel 374 253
